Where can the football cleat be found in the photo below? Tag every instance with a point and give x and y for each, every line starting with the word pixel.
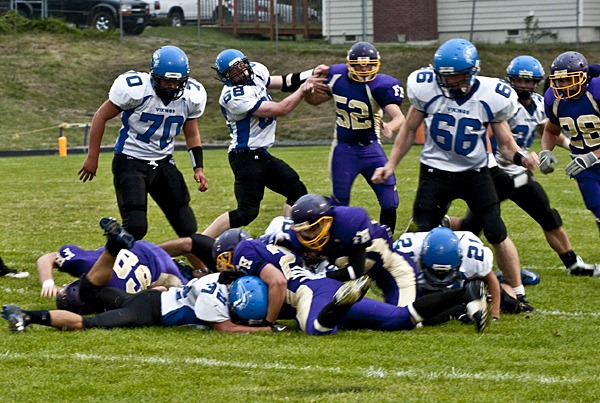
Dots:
pixel 525 304
pixel 117 236
pixel 580 268
pixel 5 271
pixel 17 319
pixel 528 277
pixel 478 309
pixel 352 291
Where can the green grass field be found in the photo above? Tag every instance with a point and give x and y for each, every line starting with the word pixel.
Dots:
pixel 549 355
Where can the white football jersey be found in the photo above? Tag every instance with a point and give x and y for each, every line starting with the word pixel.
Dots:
pixel 524 125
pixel 477 259
pixel 456 137
pixel 207 298
pixel 149 126
pixel 238 104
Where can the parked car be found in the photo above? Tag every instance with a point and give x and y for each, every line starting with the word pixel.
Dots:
pixel 180 12
pixel 102 15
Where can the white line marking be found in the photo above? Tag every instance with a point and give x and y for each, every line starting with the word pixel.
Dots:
pixel 371 372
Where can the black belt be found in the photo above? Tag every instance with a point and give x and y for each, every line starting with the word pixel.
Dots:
pixel 452 175
pixel 159 162
pixel 358 143
pixel 248 150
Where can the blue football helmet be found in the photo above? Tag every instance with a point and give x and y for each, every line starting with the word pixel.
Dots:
pixel 525 69
pixel 224 246
pixel 233 68
pixel 441 257
pixel 313 216
pixel 248 299
pixel 569 75
pixel 169 63
pixel 363 54
pixel 456 57
pixel 67 298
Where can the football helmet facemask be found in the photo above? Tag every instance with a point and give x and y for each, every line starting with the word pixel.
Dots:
pixel 524 73
pixel 456 65
pixel 169 72
pixel 313 216
pixel 224 246
pixel 440 257
pixel 233 68
pixel 569 75
pixel 363 62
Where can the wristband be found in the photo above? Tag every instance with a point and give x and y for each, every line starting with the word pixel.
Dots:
pixel 565 144
pixel 351 273
pixel 196 157
pixel 518 158
pixel 293 81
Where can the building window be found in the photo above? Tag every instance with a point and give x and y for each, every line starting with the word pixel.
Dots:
pixel 512 32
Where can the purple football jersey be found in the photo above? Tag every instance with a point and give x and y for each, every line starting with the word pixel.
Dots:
pixel 135 269
pixel 359 105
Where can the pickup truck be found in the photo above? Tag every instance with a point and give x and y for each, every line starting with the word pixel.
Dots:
pixel 102 15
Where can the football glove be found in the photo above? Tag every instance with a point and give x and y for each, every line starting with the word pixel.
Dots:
pixel 546 161
pixel 275 326
pixel 580 162
pixel 228 276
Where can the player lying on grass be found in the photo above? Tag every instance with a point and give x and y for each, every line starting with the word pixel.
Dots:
pixel 203 301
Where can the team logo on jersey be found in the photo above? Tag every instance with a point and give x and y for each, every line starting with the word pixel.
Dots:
pixel 244 264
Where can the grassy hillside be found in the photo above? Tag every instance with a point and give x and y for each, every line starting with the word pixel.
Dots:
pixel 64 75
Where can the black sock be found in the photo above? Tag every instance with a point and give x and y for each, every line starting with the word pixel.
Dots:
pixel 388 217
pixel 568 258
pixel 113 247
pixel 38 317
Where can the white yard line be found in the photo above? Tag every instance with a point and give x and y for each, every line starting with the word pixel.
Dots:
pixel 371 372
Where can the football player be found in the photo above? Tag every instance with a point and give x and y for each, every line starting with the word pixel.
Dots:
pixel 358 246
pixel 362 97
pixel 154 107
pixel 446 259
pixel 143 266
pixel 516 183
pixel 572 106
pixel 251 116
pixel 227 258
pixel 203 302
pixel 457 106
pixel 324 305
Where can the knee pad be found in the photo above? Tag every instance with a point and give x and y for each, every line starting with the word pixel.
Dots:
pixel 495 232
pixel 243 216
pixel 550 220
pixel 184 221
pixel 202 248
pixel 136 223
pixel 299 191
